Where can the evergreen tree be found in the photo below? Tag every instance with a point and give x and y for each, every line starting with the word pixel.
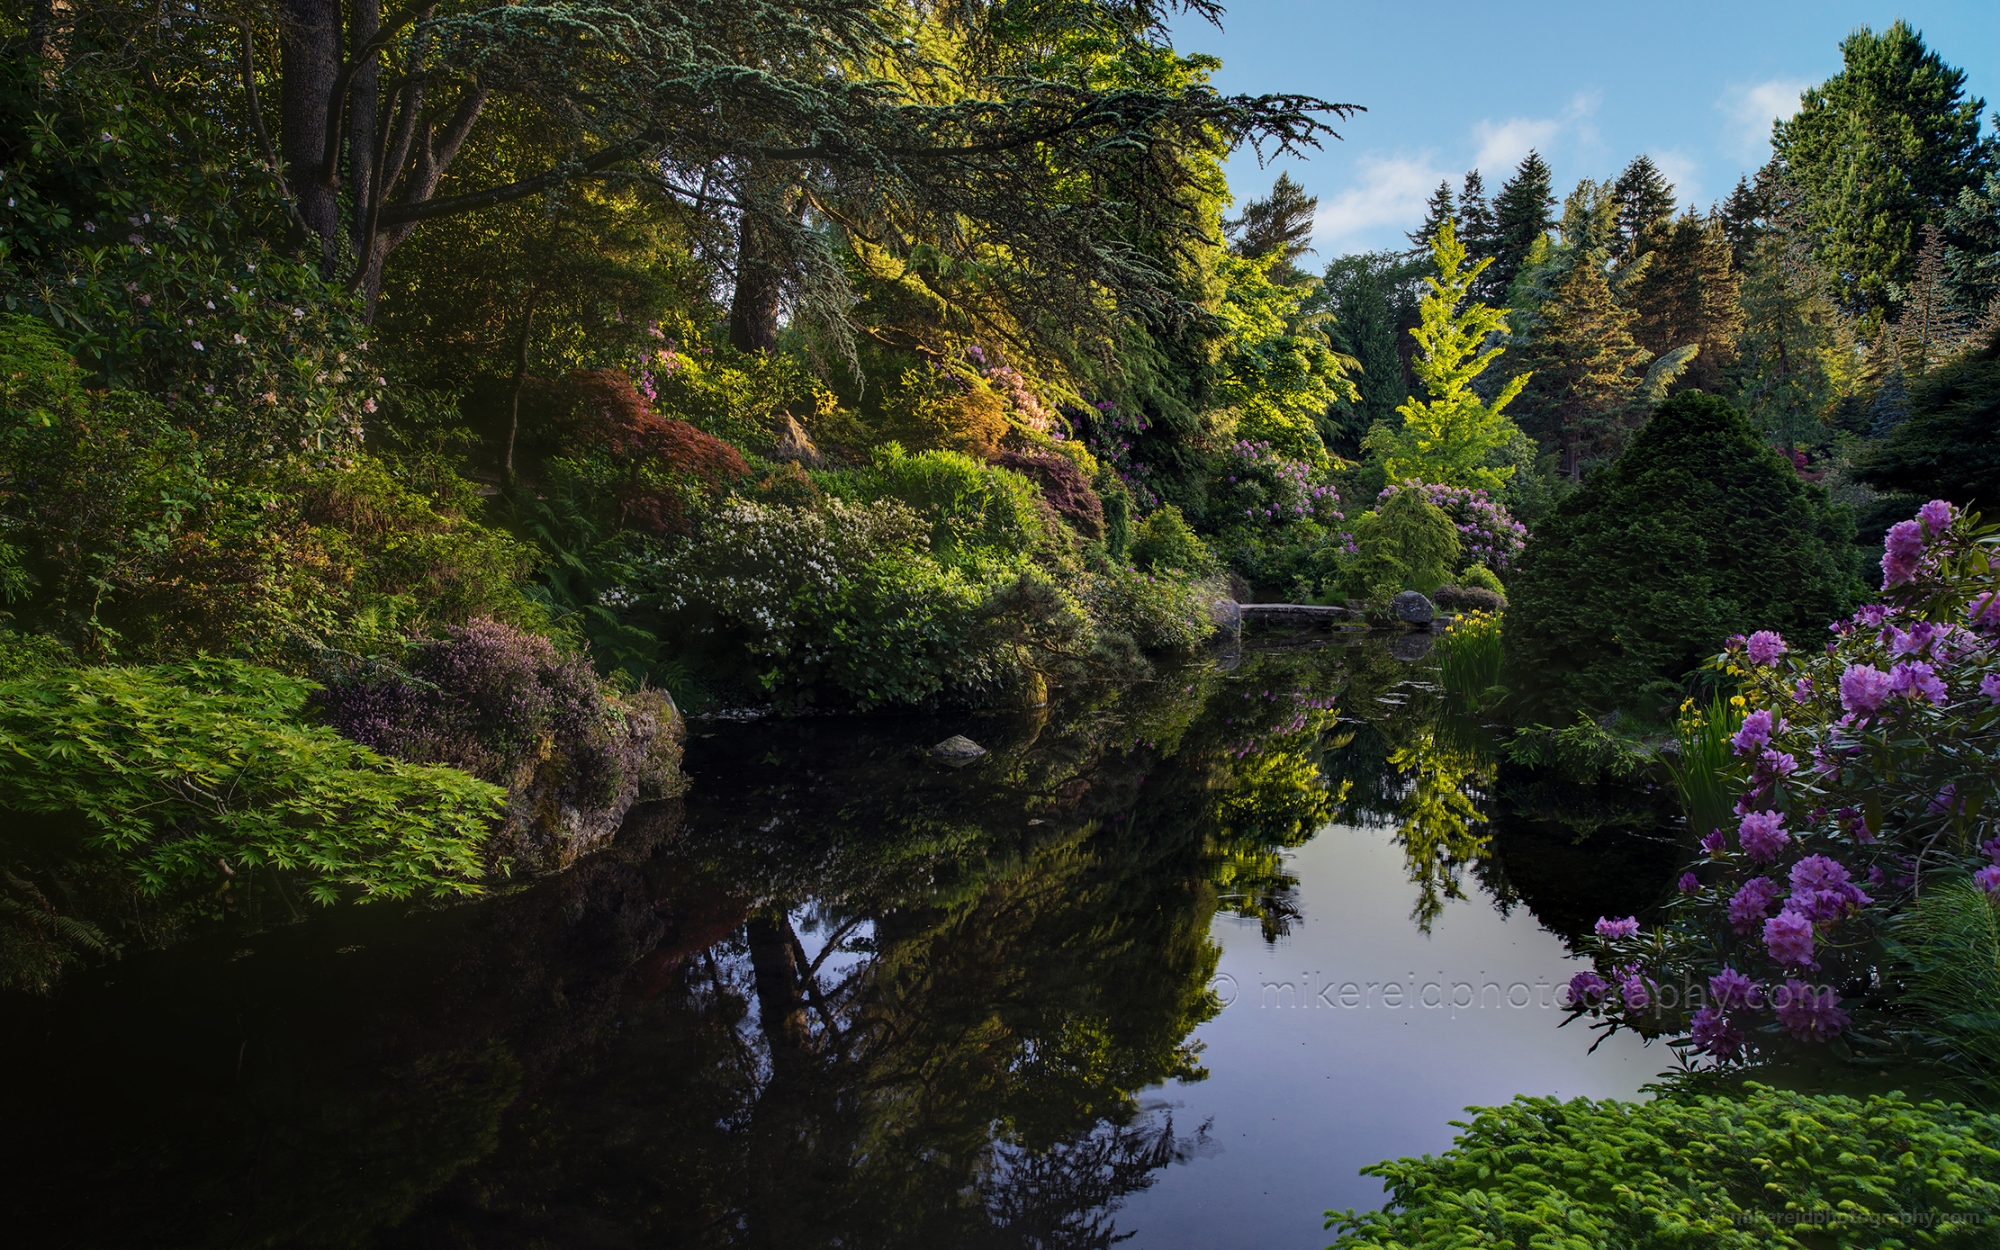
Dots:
pixel 1796 354
pixel 1279 225
pixel 1699 531
pixel 1645 201
pixel 1370 297
pixel 1972 244
pixel 1477 230
pixel 1742 216
pixel 1689 294
pixel 1447 438
pixel 1949 447
pixel 1877 151
pixel 1587 370
pixel 1521 215
pixel 1930 327
pixel 1438 210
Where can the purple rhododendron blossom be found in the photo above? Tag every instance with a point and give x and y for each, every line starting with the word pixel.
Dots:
pixel 1788 936
pixel 1756 731
pixel 1802 690
pixel 1822 891
pixel 1989 686
pixel 1638 995
pixel 1762 834
pixel 1902 547
pixel 1715 1035
pixel 1863 687
pixel 1750 904
pixel 1809 1015
pixel 1983 613
pixel 1988 878
pixel 1586 989
pixel 1917 680
pixel 1733 990
pixel 1628 927
pixel 1714 842
pixel 1689 883
pixel 1765 646
pixel 1936 516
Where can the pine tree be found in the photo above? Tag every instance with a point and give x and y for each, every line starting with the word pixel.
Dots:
pixel 1972 244
pixel 1742 216
pixel 1587 370
pixel 1438 210
pixel 1878 151
pixel 1476 229
pixel 1367 295
pixel 1446 438
pixel 1689 294
pixel 1645 201
pixel 1521 215
pixel 1279 225
pixel 1930 328
pixel 1796 353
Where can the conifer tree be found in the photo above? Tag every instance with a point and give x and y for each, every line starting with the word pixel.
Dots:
pixel 1645 201
pixel 1476 229
pixel 1446 438
pixel 1279 225
pixel 1796 353
pixel 1930 327
pixel 1742 216
pixel 1878 151
pixel 1522 214
pixel 1367 294
pixel 1689 294
pixel 1972 244
pixel 1587 370
pixel 1438 210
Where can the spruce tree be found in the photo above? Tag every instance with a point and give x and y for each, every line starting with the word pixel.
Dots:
pixel 1476 229
pixel 1280 225
pixel 1795 357
pixel 1645 201
pixel 1438 210
pixel 1972 244
pixel 1521 215
pixel 1689 294
pixel 1930 327
pixel 1878 151
pixel 1584 398
pixel 1367 294
pixel 1742 216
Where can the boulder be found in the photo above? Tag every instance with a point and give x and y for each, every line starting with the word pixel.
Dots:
pixel 796 445
pixel 957 749
pixel 1411 608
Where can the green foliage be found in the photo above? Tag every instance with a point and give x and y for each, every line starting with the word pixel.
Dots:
pixel 968 505
pixel 1772 1168
pixel 1702 770
pixel 1877 151
pixel 1949 447
pixel 1117 499
pixel 1484 578
pixel 1165 542
pixel 1161 613
pixel 1448 437
pixel 1948 942
pixel 1371 298
pixel 1697 532
pixel 1277 370
pixel 1468 653
pixel 191 773
pixel 1410 544
pixel 1583 751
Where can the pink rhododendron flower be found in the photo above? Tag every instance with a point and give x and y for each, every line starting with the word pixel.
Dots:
pixel 1989 686
pixel 1983 613
pixel 1802 690
pixel 1863 687
pixel 1714 843
pixel 1756 731
pixel 1628 927
pixel 1689 883
pixel 1715 1035
pixel 1764 646
pixel 1902 547
pixel 1761 834
pixel 1788 936
pixel 1822 891
pixel 1810 1016
pixel 1750 904
pixel 1638 995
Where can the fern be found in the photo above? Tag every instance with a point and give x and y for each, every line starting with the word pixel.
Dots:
pixel 1949 945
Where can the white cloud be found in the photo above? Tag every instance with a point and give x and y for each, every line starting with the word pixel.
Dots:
pixel 1391 193
pixel 1751 110
pixel 1683 171
pixel 1503 144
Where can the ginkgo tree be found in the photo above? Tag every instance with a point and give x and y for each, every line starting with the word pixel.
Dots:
pixel 1446 438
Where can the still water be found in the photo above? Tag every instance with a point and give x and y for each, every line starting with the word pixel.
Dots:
pixel 1166 966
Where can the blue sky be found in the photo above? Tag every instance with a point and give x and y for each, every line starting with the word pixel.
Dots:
pixel 1452 85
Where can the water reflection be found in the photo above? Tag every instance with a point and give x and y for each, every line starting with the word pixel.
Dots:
pixel 849 996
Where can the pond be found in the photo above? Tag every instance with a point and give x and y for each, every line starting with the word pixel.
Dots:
pixel 1167 965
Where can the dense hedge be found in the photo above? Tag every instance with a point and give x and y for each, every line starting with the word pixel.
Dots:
pixel 1697 532
pixel 1770 1169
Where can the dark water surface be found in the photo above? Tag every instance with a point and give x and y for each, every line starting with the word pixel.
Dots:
pixel 1129 974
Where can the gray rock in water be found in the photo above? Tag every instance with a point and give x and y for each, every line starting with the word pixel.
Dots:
pixel 1412 608
pixel 1412 646
pixel 958 749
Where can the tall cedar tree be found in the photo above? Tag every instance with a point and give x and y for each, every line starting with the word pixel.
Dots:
pixel 1645 202
pixel 1279 225
pixel 1438 210
pixel 1372 306
pixel 1879 150
pixel 1584 397
pixel 1446 438
pixel 1699 531
pixel 1688 294
pixel 1477 230
pixel 1522 214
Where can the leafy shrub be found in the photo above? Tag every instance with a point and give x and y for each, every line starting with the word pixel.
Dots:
pixel 934 408
pixel 1262 488
pixel 1947 950
pixel 1866 771
pixel 967 505
pixel 1064 486
pixel 655 467
pixel 1165 541
pixel 1479 577
pixel 1950 445
pixel 1161 613
pixel 1408 544
pixel 1117 499
pixel 1487 535
pixel 187 774
pixel 1773 1168
pixel 1697 532
pixel 1468 599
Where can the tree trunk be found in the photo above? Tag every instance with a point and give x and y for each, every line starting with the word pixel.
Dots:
pixel 311 40
pixel 780 998
pixel 760 286
pixel 520 379
pixel 361 137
